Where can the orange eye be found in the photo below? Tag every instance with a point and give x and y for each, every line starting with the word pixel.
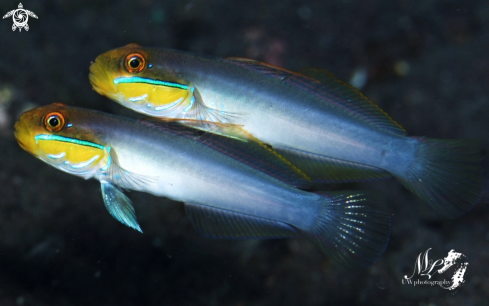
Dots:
pixel 134 62
pixel 54 122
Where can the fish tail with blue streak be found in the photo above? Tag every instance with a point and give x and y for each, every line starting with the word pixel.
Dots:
pixel 446 174
pixel 352 228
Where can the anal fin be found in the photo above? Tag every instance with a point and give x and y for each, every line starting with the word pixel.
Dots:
pixel 212 222
pixel 324 169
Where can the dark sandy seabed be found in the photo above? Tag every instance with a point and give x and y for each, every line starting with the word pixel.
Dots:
pixel 426 64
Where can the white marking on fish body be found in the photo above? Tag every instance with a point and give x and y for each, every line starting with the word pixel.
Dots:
pixel 56 156
pixel 137 99
pixel 85 163
pixel 109 162
pixel 164 107
pixel 192 101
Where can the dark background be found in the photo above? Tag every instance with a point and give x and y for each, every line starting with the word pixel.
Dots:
pixel 427 65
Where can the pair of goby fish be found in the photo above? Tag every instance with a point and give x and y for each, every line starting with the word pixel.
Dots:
pixel 263 131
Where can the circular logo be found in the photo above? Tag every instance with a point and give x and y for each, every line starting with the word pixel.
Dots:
pixel 20 18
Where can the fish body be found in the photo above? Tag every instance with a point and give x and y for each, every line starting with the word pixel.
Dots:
pixel 224 197
pixel 236 94
pixel 325 127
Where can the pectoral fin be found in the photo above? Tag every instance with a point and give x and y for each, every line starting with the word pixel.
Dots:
pixel 119 205
pixel 114 173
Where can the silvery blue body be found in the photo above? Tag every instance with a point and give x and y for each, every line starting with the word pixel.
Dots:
pixel 286 116
pixel 325 127
pixel 231 189
pixel 184 170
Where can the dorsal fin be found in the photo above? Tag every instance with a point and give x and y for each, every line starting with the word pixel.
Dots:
pixel 250 152
pixel 325 86
pixel 335 90
pixel 264 68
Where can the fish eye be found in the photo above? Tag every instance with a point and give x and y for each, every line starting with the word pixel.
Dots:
pixel 134 62
pixel 54 122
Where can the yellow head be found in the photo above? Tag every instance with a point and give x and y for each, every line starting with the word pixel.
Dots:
pixel 54 134
pixel 134 77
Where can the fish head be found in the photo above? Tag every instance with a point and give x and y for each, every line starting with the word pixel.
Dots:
pixel 140 79
pixel 58 135
pixel 127 61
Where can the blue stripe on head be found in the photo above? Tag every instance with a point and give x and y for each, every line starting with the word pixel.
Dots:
pixel 70 140
pixel 149 81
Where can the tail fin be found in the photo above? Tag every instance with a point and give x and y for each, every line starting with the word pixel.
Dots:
pixel 447 175
pixel 352 228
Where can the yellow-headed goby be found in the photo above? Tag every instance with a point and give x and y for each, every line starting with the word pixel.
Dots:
pixel 231 189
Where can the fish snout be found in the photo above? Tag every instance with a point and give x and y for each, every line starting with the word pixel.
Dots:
pixel 17 128
pixel 25 128
pixel 99 78
pixel 20 126
pixel 21 134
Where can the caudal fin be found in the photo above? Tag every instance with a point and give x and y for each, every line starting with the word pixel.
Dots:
pixel 352 228
pixel 447 175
